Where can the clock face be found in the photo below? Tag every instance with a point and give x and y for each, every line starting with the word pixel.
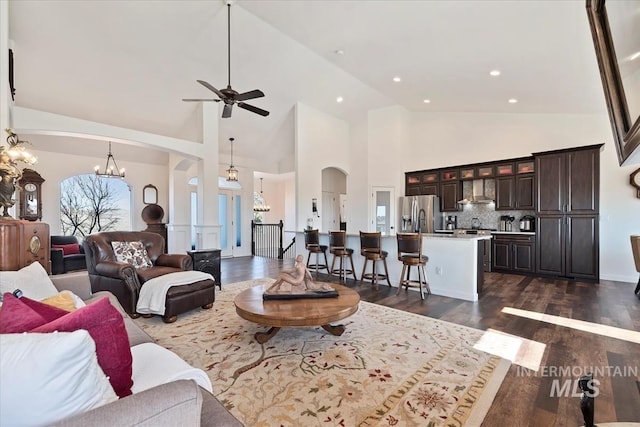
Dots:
pixel 635 178
pixel 30 187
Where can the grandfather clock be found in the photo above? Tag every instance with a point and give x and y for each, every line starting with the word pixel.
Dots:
pixel 30 195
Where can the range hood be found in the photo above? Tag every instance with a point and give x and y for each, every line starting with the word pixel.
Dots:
pixel 478 194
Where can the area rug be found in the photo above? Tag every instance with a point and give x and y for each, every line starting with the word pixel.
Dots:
pixel 389 368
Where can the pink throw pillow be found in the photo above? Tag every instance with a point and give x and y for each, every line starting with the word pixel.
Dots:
pixel 106 326
pixel 23 314
pixel 69 249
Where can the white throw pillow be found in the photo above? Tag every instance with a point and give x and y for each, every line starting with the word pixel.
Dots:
pixel 48 377
pixel 32 280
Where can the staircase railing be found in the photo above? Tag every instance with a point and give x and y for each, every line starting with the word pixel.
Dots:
pixel 267 241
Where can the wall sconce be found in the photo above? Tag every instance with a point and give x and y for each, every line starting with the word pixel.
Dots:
pixel 314 207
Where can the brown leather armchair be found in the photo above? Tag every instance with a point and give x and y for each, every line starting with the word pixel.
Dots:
pixel 125 281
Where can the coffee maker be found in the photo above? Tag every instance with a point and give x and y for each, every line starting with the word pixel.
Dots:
pixel 451 222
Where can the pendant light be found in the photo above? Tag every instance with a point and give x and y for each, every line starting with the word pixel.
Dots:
pixel 232 172
pixel 262 207
pixel 111 169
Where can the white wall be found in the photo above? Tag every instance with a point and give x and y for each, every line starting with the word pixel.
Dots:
pixel 321 141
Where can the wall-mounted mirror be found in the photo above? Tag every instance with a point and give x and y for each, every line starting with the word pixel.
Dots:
pixel 149 194
pixel 616 36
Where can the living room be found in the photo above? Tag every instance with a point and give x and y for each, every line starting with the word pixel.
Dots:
pixel 163 141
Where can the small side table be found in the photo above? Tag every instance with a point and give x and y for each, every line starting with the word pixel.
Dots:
pixel 207 260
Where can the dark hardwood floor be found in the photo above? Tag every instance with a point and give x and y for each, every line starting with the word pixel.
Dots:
pixel 526 400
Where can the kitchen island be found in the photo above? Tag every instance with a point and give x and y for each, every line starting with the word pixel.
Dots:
pixel 454 268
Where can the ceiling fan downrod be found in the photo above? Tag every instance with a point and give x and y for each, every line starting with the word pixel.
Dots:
pixel 229 44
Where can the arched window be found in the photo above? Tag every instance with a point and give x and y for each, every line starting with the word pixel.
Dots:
pixel 89 203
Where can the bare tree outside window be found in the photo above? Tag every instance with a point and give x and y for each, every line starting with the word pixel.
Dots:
pixel 89 204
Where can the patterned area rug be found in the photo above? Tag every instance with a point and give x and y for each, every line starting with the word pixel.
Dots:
pixel 388 368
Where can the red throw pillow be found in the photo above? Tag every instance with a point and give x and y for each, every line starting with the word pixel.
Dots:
pixel 106 326
pixel 23 314
pixel 70 249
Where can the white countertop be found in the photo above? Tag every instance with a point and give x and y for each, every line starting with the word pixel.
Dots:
pixel 439 234
pixel 527 233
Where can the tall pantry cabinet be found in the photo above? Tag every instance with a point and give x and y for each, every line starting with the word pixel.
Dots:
pixel 567 208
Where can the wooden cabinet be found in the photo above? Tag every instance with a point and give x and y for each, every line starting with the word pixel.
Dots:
pixel 208 261
pixel 568 182
pixel 525 191
pixel 430 189
pixel 567 208
pixel 467 172
pixel 449 196
pixel 568 246
pixel 513 253
pixel 22 243
pixel 515 192
pixel 505 193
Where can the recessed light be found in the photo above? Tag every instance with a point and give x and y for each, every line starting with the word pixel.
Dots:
pixel 339 52
pixel 339 99
pixel 494 73
pixel 513 101
pixel 397 79
pixel 427 101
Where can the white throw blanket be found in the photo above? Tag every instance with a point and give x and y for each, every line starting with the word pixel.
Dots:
pixel 153 293
pixel 154 365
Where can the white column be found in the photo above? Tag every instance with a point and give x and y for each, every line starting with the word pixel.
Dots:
pixel 208 227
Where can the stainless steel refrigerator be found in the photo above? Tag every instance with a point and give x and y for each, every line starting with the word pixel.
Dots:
pixel 419 213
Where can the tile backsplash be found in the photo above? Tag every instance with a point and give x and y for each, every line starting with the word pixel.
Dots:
pixel 486 213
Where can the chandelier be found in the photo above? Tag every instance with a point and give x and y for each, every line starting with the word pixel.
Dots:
pixel 262 207
pixel 111 169
pixel 232 172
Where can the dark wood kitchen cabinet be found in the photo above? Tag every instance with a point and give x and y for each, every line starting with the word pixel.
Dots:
pixel 515 192
pixel 567 210
pixel 568 246
pixel 449 196
pixel 568 182
pixel 513 253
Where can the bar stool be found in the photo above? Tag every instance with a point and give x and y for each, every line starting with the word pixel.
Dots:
pixel 410 253
pixel 337 247
pixel 312 244
pixel 371 250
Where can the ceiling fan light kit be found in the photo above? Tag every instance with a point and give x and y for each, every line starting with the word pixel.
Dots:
pixel 228 95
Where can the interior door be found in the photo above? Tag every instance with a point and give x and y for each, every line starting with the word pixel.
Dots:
pixel 329 212
pixel 230 220
pixel 384 213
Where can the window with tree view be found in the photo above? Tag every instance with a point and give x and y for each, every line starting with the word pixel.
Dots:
pixel 89 204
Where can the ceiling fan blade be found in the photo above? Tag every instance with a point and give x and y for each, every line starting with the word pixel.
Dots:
pixel 249 95
pixel 196 100
pixel 212 89
pixel 253 109
pixel 226 113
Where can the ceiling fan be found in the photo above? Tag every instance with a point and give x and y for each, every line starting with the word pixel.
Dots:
pixel 228 95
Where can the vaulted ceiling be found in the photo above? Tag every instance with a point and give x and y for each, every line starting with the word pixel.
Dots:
pixel 129 63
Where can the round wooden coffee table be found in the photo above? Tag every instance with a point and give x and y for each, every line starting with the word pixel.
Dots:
pixel 296 312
